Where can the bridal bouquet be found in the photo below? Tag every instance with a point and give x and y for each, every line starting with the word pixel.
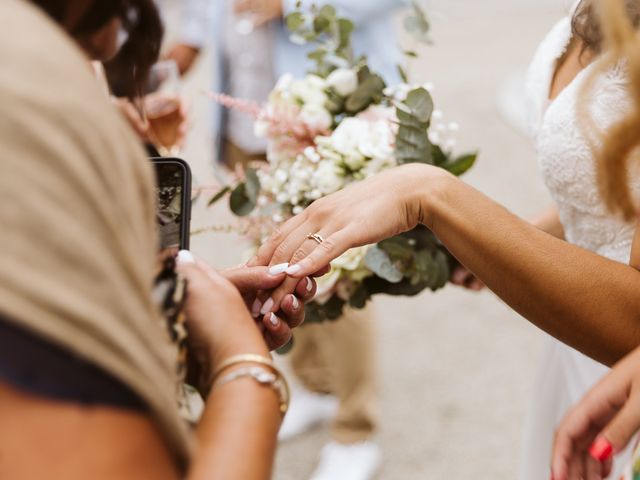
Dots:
pixel 338 125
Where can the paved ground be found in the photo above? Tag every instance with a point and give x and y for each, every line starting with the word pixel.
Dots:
pixel 456 367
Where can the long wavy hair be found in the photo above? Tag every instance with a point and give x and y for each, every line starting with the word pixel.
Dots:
pixel 610 28
pixel 140 19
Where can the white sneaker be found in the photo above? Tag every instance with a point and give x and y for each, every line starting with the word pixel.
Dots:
pixel 306 411
pixel 358 461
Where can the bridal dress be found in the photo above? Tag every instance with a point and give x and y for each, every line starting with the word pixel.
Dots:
pixel 569 171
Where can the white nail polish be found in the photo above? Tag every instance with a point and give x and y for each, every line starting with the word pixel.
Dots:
pixel 185 257
pixel 296 303
pixel 278 269
pixel 275 321
pixel 293 269
pixel 255 309
pixel 309 285
pixel 266 308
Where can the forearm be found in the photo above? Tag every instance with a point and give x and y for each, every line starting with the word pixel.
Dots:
pixel 237 435
pixel 579 297
pixel 549 221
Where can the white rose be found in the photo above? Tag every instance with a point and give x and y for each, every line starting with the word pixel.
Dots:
pixel 309 91
pixel 348 136
pixel 378 143
pixel 344 81
pixel 284 83
pixel 355 160
pixel 327 178
pixel 316 117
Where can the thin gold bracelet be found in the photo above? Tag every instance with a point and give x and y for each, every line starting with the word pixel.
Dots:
pixel 271 378
pixel 239 359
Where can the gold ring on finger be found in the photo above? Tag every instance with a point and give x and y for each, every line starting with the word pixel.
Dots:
pixel 316 237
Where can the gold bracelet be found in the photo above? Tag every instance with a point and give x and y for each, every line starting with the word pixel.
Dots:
pixel 239 359
pixel 272 379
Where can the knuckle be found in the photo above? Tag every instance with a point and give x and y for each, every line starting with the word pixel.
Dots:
pixel 277 236
pixel 281 251
pixel 299 255
pixel 328 246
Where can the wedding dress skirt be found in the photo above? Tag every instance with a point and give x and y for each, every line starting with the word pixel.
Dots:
pixel 568 168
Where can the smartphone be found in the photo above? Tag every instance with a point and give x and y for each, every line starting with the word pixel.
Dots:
pixel 173 214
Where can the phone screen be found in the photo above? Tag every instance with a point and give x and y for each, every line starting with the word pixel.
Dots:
pixel 173 203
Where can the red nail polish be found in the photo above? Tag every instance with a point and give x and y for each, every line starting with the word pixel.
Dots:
pixel 601 449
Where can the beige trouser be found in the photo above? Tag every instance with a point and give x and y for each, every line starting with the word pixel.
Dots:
pixel 340 358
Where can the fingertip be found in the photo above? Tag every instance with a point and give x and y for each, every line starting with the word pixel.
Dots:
pixel 185 257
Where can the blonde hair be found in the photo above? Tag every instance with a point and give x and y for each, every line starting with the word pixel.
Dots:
pixel 620 43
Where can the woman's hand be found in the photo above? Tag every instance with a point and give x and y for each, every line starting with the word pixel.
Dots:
pixel 141 126
pixel 219 323
pixel 276 327
pixel 184 55
pixel 364 213
pixel 463 277
pixel 600 426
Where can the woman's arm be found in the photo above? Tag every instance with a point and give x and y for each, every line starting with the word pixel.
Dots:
pixel 581 298
pixel 549 221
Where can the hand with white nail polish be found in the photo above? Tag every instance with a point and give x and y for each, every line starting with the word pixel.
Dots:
pixel 251 282
pixel 219 323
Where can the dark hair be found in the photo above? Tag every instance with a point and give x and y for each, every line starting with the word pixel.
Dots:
pixel 586 26
pixel 141 20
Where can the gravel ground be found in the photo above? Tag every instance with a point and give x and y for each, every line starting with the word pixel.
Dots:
pixel 456 367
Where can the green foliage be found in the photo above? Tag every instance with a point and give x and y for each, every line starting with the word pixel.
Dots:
pixel 461 164
pixel 244 196
pixel 417 24
pixel 414 117
pixel 380 263
pixel 332 310
pixel 218 196
pixel 370 91
pixel 287 348
pixel 330 33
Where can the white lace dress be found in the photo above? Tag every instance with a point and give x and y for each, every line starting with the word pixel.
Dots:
pixel 569 172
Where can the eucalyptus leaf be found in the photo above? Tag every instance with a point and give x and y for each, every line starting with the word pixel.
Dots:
pixel 294 21
pixel 240 202
pixel 328 12
pixel 398 248
pixel 403 74
pixel 420 104
pixel 345 28
pixel 380 263
pixel 218 196
pixel 253 184
pixel 369 91
pixel 461 164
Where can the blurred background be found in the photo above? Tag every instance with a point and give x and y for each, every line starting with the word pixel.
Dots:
pixel 456 367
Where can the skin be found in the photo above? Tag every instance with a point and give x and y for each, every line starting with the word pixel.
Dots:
pixel 579 297
pixel 241 419
pixel 611 411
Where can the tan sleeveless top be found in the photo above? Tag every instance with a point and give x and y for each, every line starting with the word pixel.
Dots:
pixel 77 232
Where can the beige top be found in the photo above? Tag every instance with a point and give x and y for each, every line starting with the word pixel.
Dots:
pixel 77 249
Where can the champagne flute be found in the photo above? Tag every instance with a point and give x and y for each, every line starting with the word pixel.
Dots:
pixel 162 107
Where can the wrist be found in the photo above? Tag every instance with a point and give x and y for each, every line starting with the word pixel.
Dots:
pixel 425 192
